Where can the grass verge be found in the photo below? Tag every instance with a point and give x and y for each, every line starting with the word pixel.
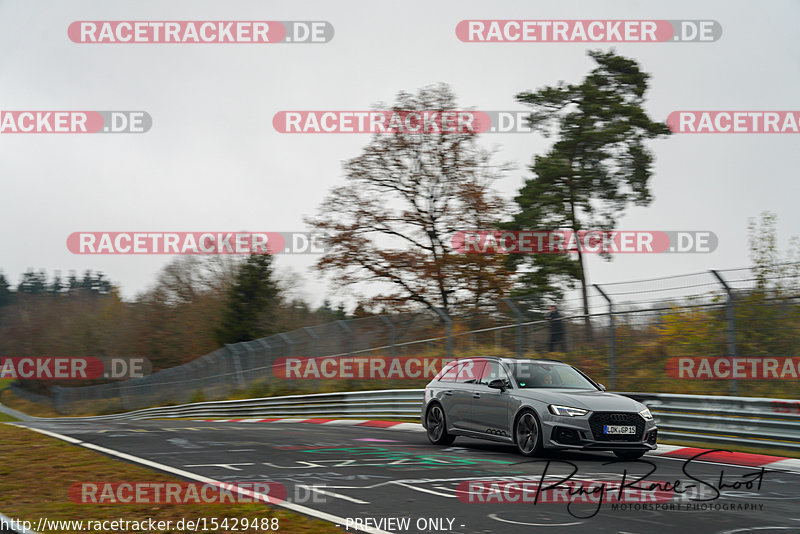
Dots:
pixel 35 409
pixel 4 382
pixel 6 418
pixel 36 473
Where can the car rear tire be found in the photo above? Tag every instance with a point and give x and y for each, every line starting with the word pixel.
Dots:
pixel 629 455
pixel 528 434
pixel 437 426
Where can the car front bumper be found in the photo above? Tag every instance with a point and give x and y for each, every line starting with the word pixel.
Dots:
pixel 578 433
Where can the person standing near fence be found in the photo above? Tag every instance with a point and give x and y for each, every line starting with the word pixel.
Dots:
pixel 556 330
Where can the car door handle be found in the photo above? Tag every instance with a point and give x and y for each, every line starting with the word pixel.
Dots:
pixel 448 393
pixel 476 395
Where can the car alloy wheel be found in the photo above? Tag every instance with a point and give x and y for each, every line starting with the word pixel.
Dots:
pixel 527 434
pixel 437 429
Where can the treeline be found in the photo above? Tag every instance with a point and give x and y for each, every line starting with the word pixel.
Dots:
pixel 195 306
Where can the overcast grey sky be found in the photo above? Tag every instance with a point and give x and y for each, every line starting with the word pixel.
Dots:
pixel 212 160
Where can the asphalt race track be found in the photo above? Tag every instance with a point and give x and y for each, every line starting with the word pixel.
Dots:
pixel 376 474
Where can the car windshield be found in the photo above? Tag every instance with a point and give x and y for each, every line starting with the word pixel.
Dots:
pixel 541 375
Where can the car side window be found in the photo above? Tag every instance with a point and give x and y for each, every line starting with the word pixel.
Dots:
pixel 470 371
pixel 492 371
pixel 448 372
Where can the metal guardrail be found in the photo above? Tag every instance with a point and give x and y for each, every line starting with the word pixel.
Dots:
pixel 699 418
pixel 757 422
pixel 384 404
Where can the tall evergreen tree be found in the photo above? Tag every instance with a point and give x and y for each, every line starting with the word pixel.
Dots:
pixel 72 282
pixel 249 312
pixel 6 296
pixel 33 282
pixel 56 286
pixel 598 165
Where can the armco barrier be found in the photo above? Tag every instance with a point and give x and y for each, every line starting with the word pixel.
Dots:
pixel 756 422
pixel 380 404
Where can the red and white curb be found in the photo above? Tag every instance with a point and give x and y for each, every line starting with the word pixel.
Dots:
pixel 742 459
pixel 371 423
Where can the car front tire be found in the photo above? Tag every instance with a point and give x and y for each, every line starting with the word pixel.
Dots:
pixel 437 426
pixel 528 434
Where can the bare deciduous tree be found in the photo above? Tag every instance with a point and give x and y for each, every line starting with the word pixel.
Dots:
pixel 405 197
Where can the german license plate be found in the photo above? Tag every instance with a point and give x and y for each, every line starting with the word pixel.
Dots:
pixel 614 429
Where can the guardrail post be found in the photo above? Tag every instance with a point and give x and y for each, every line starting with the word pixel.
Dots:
pixel 448 328
pixel 730 313
pixel 518 315
pixel 392 335
pixel 612 347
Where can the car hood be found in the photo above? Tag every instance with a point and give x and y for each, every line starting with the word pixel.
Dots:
pixel 597 401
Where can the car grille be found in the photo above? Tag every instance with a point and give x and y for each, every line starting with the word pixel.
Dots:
pixel 599 419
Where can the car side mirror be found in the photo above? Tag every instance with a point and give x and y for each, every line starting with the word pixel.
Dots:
pixel 602 387
pixel 497 383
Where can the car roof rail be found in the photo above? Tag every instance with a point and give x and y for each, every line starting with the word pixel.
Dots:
pixel 535 360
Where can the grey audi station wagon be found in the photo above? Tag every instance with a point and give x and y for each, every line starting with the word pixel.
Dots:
pixel 535 404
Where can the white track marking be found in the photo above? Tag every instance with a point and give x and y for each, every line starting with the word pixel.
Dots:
pixel 199 478
pixel 226 466
pixel 494 516
pixel 332 494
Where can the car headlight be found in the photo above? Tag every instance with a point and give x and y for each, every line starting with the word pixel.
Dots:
pixel 646 414
pixel 555 409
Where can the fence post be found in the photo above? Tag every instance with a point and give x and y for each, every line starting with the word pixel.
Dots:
pixel 237 365
pixel 518 314
pixel 348 336
pixel 289 343
pixel 730 326
pixel 251 361
pixel 612 347
pixel 268 361
pixel 123 396
pixel 392 335
pixel 448 328
pixel 314 338
pixel 58 399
